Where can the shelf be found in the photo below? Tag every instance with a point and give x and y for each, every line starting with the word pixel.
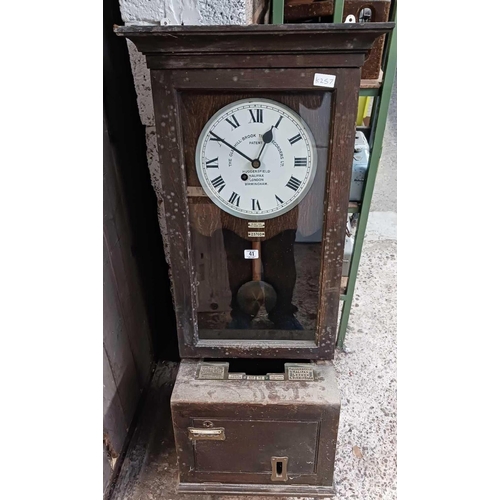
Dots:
pixel 368 92
pixel 372 84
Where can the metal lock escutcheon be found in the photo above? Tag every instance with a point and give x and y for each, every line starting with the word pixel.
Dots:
pixel 279 468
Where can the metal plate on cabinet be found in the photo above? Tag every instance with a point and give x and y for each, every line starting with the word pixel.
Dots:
pixel 256 225
pixel 299 372
pixel 212 371
pixel 220 371
pixel 215 434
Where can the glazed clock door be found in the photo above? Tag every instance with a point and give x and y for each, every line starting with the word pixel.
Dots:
pixel 256 184
pixel 254 166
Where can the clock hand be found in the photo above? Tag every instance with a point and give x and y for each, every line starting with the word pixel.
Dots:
pixel 219 139
pixel 267 138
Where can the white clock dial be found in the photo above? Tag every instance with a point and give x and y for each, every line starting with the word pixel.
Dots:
pixel 256 159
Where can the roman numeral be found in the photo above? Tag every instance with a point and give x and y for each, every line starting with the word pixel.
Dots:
pixel 258 116
pixel 218 181
pixel 213 163
pixel 235 199
pixel 295 139
pixel 216 139
pixel 278 122
pixel 255 205
pixel 293 183
pixel 278 199
pixel 300 162
pixel 233 121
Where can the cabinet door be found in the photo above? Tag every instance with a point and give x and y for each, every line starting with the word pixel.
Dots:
pixel 260 451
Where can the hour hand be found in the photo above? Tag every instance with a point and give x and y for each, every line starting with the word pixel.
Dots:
pixel 266 138
pixel 219 139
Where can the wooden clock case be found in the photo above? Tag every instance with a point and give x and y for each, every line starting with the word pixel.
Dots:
pixel 263 437
pixel 259 434
pixel 195 70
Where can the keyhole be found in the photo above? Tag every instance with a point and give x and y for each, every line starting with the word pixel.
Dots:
pixel 279 468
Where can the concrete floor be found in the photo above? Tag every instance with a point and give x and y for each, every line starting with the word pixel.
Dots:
pixel 366 462
pixel 366 452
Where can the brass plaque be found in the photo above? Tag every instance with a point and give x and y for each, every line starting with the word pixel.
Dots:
pixel 256 234
pixel 213 371
pixel 256 225
pixel 299 372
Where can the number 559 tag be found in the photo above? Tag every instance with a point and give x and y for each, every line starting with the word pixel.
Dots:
pixel 251 254
pixel 322 80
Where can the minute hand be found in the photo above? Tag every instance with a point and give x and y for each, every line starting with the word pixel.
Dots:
pixel 232 147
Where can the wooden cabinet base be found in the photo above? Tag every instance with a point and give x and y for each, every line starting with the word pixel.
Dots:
pixel 254 434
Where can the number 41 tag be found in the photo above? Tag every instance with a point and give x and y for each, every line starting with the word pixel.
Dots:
pixel 322 80
pixel 251 254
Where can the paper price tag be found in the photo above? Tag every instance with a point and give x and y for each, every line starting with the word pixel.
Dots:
pixel 251 254
pixel 322 80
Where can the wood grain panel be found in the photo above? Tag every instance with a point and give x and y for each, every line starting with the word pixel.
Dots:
pixel 115 427
pixel 174 201
pixel 213 293
pixel 342 137
pixel 256 61
pixel 124 270
pixel 127 345
pixel 117 345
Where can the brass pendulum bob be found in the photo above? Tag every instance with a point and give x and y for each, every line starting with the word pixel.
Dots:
pixel 253 294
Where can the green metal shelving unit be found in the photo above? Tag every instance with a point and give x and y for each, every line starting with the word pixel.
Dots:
pixel 378 121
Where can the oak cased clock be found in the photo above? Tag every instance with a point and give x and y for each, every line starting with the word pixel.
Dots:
pixel 255 132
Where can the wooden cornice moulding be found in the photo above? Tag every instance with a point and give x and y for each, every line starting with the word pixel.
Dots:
pixel 256 45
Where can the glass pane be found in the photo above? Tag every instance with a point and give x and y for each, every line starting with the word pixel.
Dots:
pixel 256 172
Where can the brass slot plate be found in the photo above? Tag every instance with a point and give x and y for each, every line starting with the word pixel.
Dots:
pixel 213 434
pixel 220 371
